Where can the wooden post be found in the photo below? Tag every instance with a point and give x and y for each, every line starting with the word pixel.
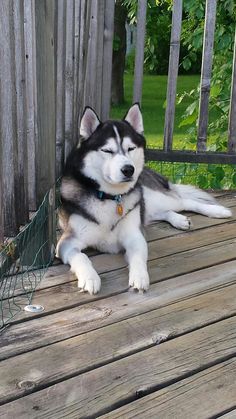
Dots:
pixel 31 103
pixel 107 58
pixel 232 112
pixel 8 117
pixel 139 52
pixel 22 157
pixel 69 77
pixel 83 54
pixel 1 197
pixel 77 57
pixel 44 27
pixel 99 57
pixel 208 42
pixel 60 85
pixel 172 74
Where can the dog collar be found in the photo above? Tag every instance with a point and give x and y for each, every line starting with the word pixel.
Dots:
pixel 118 198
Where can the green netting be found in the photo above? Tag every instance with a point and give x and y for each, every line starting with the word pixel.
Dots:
pixel 23 262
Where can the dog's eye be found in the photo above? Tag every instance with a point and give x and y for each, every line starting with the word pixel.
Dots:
pixel 107 151
pixel 131 149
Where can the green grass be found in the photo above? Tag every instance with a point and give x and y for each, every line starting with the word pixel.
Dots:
pixel 154 95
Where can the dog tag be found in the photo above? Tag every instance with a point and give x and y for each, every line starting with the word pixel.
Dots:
pixel 119 209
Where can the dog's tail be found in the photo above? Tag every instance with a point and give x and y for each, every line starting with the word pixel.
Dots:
pixel 191 192
pixel 196 200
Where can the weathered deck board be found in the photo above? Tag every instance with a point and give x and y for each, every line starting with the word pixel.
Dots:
pixel 201 396
pixel 172 347
pixel 142 372
pixel 87 351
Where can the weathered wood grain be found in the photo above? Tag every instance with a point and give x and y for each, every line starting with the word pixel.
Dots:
pixel 230 415
pixel 204 395
pixel 8 117
pixel 139 51
pixel 207 56
pixel 172 74
pixel 137 375
pixel 60 85
pixel 107 58
pixel 80 319
pixel 232 112
pixel 31 102
pixel 45 366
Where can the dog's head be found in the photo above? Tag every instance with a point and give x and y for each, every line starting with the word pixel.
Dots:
pixel 113 151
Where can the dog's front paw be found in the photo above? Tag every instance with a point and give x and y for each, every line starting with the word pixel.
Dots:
pixel 90 283
pixel 139 280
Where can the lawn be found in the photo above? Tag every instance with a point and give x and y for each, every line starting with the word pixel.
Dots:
pixel 154 95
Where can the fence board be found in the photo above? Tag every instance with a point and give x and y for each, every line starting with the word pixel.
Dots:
pixel 69 77
pixel 139 53
pixel 107 58
pixel 77 20
pixel 83 39
pixel 60 85
pixel 8 116
pixel 31 103
pixel 208 42
pixel 44 26
pixel 172 74
pixel 99 58
pixel 22 158
pixel 232 114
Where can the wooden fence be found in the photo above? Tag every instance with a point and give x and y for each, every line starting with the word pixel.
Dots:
pixel 56 57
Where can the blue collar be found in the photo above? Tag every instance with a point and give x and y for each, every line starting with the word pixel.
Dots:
pixel 103 195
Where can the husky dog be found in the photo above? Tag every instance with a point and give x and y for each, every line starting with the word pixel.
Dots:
pixel 107 195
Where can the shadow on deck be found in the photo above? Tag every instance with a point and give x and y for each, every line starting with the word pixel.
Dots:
pixel 170 352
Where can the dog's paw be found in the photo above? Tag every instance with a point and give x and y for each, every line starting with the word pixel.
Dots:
pixel 90 283
pixel 139 280
pixel 182 222
pixel 221 212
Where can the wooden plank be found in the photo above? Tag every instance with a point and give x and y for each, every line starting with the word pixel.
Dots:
pixel 31 102
pixel 60 86
pixel 8 117
pixel 77 57
pixel 20 98
pixel 99 59
pixel 229 415
pixel 80 319
pixel 69 77
pixel 137 375
pixel 172 74
pixel 83 48
pixel 190 157
pixel 205 394
pixel 91 58
pixel 45 366
pixel 139 51
pixel 232 112
pixel 107 58
pixel 207 56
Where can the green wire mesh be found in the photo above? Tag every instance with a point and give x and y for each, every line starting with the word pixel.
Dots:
pixel 23 262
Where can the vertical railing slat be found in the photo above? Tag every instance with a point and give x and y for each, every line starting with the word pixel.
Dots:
pixel 172 74
pixel 107 58
pixel 8 117
pixel 69 77
pixel 31 103
pixel 139 52
pixel 207 56
pixel 45 72
pixel 77 20
pixel 232 112
pixel 22 157
pixel 60 85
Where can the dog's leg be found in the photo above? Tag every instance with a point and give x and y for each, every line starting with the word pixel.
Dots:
pixel 210 210
pixel 176 220
pixel 136 253
pixel 69 251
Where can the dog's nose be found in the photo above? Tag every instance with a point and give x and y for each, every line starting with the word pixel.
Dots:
pixel 127 170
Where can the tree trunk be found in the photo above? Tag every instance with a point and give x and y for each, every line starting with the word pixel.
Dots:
pixel 119 51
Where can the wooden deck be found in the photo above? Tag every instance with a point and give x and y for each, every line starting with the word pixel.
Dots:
pixel 169 353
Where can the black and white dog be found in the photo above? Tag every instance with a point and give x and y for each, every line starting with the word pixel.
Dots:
pixel 107 195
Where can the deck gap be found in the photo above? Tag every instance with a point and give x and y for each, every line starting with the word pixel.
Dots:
pixel 224 412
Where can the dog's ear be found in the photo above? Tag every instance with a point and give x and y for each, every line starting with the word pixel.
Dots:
pixel 135 119
pixel 89 122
